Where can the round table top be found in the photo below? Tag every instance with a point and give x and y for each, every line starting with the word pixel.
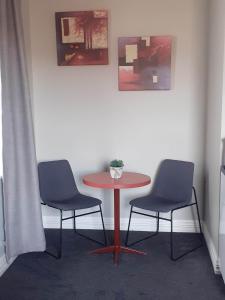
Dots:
pixel 128 180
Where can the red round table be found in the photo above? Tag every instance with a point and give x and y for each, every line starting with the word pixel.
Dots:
pixel 127 181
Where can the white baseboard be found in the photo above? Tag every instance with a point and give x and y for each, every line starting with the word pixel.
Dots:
pixel 212 250
pixel 4 265
pixel 137 224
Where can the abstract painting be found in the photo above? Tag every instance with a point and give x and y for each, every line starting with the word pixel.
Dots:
pixel 144 63
pixel 82 37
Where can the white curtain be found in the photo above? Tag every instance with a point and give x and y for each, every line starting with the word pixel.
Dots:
pixel 22 212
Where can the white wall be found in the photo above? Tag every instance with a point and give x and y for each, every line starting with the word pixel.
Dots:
pixel 80 115
pixel 214 116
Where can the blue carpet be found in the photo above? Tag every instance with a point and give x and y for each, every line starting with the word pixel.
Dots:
pixel 81 276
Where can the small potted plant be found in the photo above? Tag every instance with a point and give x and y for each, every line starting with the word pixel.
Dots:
pixel 116 168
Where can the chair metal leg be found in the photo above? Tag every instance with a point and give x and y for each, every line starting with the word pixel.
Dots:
pixel 60 241
pixel 145 238
pixel 103 226
pixel 58 255
pixel 128 229
pixel 87 237
pixel 199 221
pixel 171 233
pixel 74 221
pixel 59 251
pixel 157 228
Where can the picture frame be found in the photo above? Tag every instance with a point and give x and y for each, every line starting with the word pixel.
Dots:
pixel 82 37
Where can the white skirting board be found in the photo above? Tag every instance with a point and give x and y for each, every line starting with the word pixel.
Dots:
pixel 212 250
pixel 137 224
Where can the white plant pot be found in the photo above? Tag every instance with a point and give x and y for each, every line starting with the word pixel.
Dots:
pixel 116 173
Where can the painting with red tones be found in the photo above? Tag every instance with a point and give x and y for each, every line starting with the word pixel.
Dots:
pixel 82 37
pixel 144 63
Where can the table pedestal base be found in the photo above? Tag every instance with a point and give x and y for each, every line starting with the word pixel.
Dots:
pixel 116 250
pixel 128 180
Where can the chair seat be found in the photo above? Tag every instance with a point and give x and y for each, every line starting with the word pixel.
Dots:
pixel 78 201
pixel 156 203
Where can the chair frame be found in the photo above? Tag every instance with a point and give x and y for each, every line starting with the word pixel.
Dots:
pixel 172 256
pixel 58 254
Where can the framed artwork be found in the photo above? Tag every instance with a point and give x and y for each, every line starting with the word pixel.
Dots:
pixel 82 37
pixel 144 63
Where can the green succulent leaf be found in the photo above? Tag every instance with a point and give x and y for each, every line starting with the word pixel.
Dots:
pixel 116 163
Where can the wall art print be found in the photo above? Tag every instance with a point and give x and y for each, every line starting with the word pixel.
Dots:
pixel 82 37
pixel 144 63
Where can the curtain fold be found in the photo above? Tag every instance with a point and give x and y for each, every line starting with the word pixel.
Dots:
pixel 22 210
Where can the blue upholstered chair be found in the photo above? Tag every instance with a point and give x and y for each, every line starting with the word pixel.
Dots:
pixel 58 190
pixel 172 191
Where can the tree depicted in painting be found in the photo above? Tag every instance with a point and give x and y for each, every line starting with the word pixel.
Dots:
pixel 82 37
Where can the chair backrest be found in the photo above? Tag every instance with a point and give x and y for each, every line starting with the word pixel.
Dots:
pixel 56 180
pixel 174 180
